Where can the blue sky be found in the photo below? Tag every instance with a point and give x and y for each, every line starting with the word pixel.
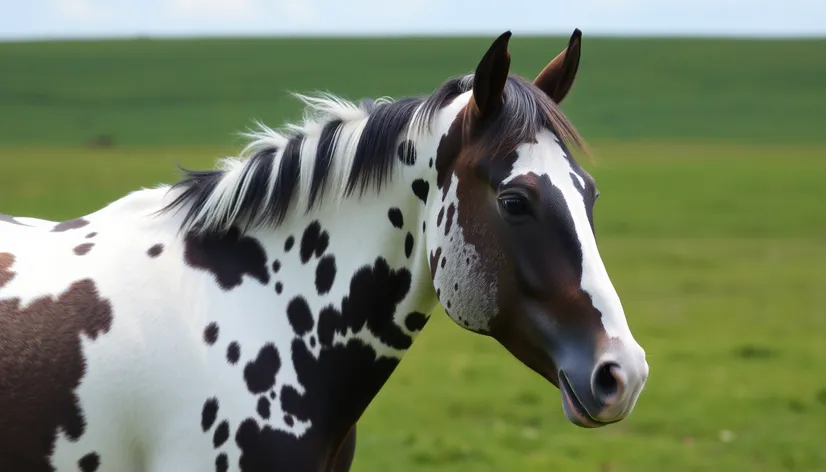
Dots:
pixel 37 19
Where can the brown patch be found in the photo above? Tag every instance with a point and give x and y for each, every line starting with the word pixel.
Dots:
pixel 83 249
pixel 41 365
pixel 6 261
pixel 450 145
pixel 68 225
pixel 155 250
pixel 10 219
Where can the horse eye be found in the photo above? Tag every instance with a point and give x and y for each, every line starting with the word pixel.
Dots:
pixel 515 205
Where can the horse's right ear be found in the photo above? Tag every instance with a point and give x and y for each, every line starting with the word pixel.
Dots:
pixel 491 76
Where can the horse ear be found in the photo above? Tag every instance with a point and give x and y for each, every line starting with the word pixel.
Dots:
pixel 491 75
pixel 558 76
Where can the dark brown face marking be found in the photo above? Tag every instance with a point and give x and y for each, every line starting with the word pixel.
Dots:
pixel 155 250
pixel 69 225
pixel 41 367
pixel 450 212
pixel 89 463
pixel 228 257
pixel 83 249
pixel 6 261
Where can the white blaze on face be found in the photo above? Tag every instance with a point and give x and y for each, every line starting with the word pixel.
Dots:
pixel 546 157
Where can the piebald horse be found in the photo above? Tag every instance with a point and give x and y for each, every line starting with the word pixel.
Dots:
pixel 244 318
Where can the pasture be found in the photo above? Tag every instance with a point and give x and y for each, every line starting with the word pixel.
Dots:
pixel 710 161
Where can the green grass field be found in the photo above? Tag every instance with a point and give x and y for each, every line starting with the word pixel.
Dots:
pixel 710 161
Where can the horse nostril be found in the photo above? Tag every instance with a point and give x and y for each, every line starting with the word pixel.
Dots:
pixel 608 383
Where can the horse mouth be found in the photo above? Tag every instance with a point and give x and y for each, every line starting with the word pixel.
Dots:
pixel 573 408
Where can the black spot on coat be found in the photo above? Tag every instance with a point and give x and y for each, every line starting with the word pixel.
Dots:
pixel 415 321
pixel 228 257
pixel 260 373
pixel 89 463
pixel 83 249
pixel 155 250
pixel 211 333
pixel 209 413
pixel 408 245
pixel 310 241
pixel 221 463
pixel 421 188
pixel 300 316
pixel 396 218
pixel 221 434
pixel 233 352
pixel 374 294
pixel 263 407
pixel 325 274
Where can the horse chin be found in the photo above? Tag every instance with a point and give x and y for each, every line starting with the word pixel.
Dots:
pixel 573 409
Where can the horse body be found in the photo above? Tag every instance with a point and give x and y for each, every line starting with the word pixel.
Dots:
pixel 243 319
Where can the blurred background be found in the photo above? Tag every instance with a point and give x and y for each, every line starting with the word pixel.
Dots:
pixel 707 122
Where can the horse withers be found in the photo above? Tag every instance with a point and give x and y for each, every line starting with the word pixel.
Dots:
pixel 244 318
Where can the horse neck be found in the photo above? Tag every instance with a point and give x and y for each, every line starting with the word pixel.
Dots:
pixel 361 266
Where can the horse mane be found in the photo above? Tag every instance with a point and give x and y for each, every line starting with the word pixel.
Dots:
pixel 339 148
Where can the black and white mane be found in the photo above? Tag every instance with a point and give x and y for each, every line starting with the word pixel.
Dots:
pixel 342 147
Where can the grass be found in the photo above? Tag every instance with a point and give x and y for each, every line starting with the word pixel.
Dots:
pixel 718 254
pixel 200 92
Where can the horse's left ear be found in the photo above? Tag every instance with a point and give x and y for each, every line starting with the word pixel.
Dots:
pixel 558 76
pixel 491 75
